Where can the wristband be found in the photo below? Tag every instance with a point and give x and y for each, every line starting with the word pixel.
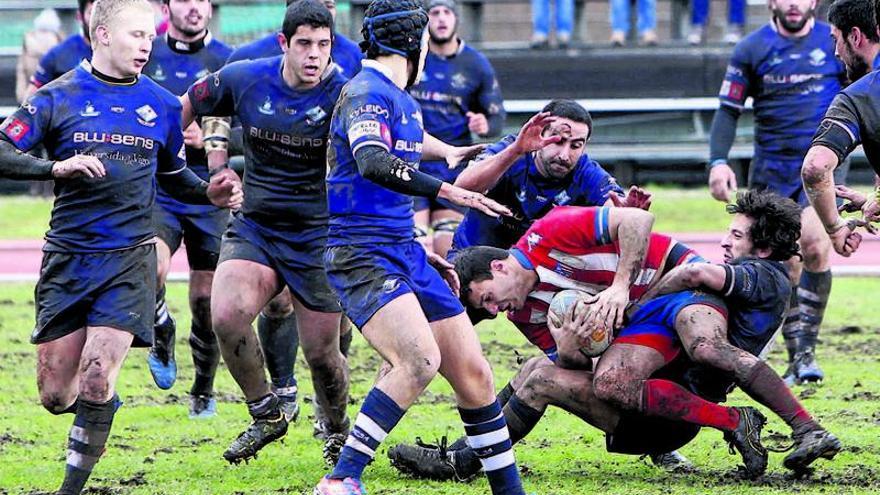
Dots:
pixel 718 161
pixel 838 224
pixel 216 170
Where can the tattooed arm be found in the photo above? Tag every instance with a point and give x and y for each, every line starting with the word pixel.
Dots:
pixel 631 229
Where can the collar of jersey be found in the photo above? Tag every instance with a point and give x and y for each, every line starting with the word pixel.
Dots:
pixel 87 66
pixel 188 46
pixel 521 258
pixel 457 52
pixel 378 67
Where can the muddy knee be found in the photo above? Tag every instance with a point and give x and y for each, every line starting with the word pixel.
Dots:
pixel 57 402
pixel 95 379
pixel 279 307
pixel 618 389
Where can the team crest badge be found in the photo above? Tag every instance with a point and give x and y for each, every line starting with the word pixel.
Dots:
pixel 89 110
pixel 817 57
pixel 146 115
pixel 266 108
pixel 316 116
pixel 533 239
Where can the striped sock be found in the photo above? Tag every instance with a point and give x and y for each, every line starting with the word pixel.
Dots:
pixel 86 441
pixel 792 327
pixel 161 307
pixel 488 437
pixel 813 292
pixel 379 415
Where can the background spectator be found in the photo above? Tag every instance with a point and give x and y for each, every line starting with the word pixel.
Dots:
pixel 541 22
pixel 647 23
pixel 736 20
pixel 45 35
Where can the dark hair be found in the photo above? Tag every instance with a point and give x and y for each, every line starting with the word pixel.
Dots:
pixel 393 27
pixel 848 14
pixel 474 264
pixel 305 13
pixel 776 222
pixel 82 4
pixel 571 110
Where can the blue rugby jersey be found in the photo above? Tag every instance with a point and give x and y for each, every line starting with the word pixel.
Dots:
pixel 792 80
pixel 855 110
pixel 285 136
pixel 756 292
pixel 62 58
pixel 175 66
pixel 530 195
pixel 344 52
pixel 133 129
pixel 452 86
pixel 371 111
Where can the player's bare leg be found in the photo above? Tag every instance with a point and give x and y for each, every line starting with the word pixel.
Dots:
pixel 319 336
pixel 232 313
pixel 94 374
pixel 623 379
pixel 443 225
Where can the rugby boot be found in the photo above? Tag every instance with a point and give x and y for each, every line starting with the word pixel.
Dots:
pixel 810 446
pixel 347 486
pixel 261 432
pixel 434 462
pixel 790 377
pixel 746 439
pixel 202 407
pixel 288 405
pixel 672 462
pixel 808 369
pixel 161 357
pixel 334 440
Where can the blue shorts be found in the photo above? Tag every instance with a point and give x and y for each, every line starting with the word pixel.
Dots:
pixel 114 289
pixel 653 324
pixel 200 232
pixel 784 177
pixel 441 171
pixel 295 257
pixel 366 278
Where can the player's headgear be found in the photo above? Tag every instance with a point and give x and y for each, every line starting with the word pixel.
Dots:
pixel 393 27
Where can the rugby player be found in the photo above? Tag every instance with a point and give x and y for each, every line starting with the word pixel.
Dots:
pixel 66 55
pixel 284 104
pixel 380 274
pixel 788 67
pixel 276 324
pixel 459 96
pixel 571 247
pixel 856 40
pixel 345 53
pixel 109 134
pixel 851 120
pixel 186 53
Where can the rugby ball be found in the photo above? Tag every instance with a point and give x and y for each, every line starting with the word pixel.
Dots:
pixel 562 303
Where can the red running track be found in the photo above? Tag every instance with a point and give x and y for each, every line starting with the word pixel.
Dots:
pixel 20 260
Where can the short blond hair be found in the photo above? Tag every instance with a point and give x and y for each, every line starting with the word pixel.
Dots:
pixel 104 11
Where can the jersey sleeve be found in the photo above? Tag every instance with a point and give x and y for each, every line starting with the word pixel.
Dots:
pixel 569 229
pixel 489 98
pixel 27 126
pixel 171 158
pixel 213 94
pixel 839 130
pixel 597 184
pixel 737 78
pixel 367 120
pixel 748 283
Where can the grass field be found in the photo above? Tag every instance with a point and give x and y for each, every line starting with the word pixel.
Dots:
pixel 155 449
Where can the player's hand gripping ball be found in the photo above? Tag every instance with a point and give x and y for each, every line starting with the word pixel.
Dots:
pixel 569 310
